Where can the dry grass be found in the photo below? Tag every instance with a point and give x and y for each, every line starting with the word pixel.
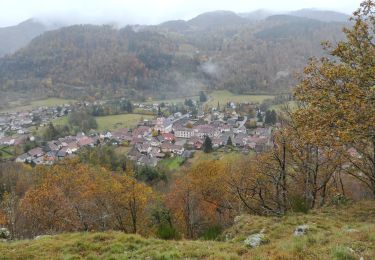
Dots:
pixel 341 233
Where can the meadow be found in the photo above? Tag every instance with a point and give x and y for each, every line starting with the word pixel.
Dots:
pixel 224 96
pixel 114 122
pixel 49 102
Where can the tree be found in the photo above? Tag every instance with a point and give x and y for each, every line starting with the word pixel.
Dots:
pixel 202 97
pixel 229 141
pixel 337 96
pixel 270 117
pixel 82 121
pixel 207 145
pixel 50 133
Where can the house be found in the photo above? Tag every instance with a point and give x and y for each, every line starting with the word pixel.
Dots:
pixel 24 158
pixel 155 142
pixel 62 153
pixel 240 130
pixel 106 135
pixel 36 152
pixel 53 146
pixel 205 130
pixel 72 147
pixel 86 141
pixel 141 131
pixel 172 148
pixel 217 142
pixel 225 128
pixel 144 148
pixel 7 141
pixel 183 132
pixel 168 137
pixel 263 131
pixel 122 135
pixel 164 125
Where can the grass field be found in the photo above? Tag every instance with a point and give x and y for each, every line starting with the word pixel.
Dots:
pixel 6 152
pixel 172 163
pixel 223 97
pixel 291 104
pixel 172 100
pixel 119 121
pixel 337 232
pixel 15 107
pixel 105 123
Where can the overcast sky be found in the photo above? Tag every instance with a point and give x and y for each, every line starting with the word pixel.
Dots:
pixel 147 11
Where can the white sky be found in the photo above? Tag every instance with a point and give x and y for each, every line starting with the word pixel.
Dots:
pixel 148 11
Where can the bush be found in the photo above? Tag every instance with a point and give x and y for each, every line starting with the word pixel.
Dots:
pixel 211 233
pixel 167 232
pixel 299 204
pixel 339 200
pixel 342 253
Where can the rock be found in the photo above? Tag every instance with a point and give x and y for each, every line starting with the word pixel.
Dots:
pixel 41 236
pixel 352 230
pixel 255 240
pixel 237 219
pixel 301 230
pixel 4 233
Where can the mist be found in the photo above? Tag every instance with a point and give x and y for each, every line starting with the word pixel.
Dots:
pixel 123 12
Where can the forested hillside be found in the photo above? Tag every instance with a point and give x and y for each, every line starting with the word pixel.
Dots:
pixel 217 50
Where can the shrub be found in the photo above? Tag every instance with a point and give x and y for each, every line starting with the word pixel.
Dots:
pixel 211 233
pixel 299 204
pixel 167 232
pixel 342 253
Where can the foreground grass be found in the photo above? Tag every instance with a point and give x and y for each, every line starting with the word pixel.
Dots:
pixel 224 96
pixel 49 102
pixel 115 245
pixel 347 232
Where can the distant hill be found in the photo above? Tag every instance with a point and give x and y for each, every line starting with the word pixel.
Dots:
pixel 176 25
pixel 15 37
pixel 215 50
pixel 321 15
pixel 217 19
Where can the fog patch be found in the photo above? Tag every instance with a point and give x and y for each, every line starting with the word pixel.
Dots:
pixel 210 69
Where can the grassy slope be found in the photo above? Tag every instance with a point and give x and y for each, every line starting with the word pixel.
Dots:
pixel 172 101
pixel 15 107
pixel 119 121
pixel 106 122
pixel 345 233
pixel 223 97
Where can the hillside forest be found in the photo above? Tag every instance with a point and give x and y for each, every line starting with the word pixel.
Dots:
pixel 218 50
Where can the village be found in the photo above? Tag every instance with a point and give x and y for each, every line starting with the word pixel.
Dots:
pixel 150 141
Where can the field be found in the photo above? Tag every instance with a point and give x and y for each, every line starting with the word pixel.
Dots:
pixel 119 121
pixel 223 97
pixel 173 163
pixel 170 101
pixel 344 232
pixel 105 123
pixel 291 104
pixel 6 152
pixel 15 107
